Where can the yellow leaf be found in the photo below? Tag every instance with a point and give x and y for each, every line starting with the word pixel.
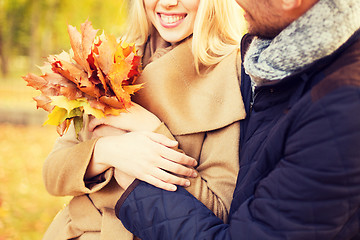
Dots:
pixel 114 111
pixel 119 72
pixel 63 102
pixel 119 53
pixel 70 105
pixel 124 49
pixel 57 116
pixel 93 111
pixel 131 89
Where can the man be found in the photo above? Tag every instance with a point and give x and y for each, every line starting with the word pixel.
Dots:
pixel 300 144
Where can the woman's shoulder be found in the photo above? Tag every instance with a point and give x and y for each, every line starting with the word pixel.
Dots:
pixel 187 101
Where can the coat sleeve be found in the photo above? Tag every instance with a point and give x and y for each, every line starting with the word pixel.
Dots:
pixel 218 168
pixel 312 193
pixel 152 213
pixel 65 167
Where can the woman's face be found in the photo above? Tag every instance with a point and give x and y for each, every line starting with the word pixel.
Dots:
pixel 173 19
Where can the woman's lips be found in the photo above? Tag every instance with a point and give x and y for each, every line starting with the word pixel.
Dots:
pixel 171 20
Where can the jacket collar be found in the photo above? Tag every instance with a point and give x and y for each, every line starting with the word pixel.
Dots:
pixel 187 102
pixel 245 44
pixel 313 74
pixel 312 69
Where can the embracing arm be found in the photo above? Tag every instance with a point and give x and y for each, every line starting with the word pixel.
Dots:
pixel 318 198
pixel 78 167
pixel 65 167
pixel 218 166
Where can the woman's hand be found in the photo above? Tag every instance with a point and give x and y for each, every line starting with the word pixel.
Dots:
pixel 136 119
pixel 147 156
pixel 124 180
pixel 106 130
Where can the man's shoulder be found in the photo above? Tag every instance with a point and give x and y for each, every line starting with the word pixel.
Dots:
pixel 343 71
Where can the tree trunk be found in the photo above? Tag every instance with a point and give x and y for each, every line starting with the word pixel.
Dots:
pixel 34 49
pixel 3 58
pixel 4 66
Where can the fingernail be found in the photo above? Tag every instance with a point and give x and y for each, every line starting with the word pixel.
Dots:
pixel 194 174
pixel 187 183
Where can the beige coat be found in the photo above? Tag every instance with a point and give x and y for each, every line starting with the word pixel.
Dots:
pixel 202 114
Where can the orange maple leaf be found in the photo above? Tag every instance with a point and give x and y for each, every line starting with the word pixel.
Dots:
pixel 97 79
pixel 82 43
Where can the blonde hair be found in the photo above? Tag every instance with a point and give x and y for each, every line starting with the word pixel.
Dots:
pixel 219 26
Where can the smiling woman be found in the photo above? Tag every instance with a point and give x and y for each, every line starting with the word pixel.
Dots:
pixel 173 19
pixel 217 26
pixel 191 94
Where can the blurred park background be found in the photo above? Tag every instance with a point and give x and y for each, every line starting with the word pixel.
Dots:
pixel 30 30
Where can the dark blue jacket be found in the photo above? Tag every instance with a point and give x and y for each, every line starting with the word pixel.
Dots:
pixel 299 172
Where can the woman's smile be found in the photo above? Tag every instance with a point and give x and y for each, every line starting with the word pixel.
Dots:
pixel 174 20
pixel 168 20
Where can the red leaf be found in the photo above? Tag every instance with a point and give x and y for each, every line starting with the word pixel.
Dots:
pixel 104 53
pixel 82 43
pixel 112 102
pixel 77 76
pixel 43 102
pixel 71 92
pixel 35 81
pixel 101 71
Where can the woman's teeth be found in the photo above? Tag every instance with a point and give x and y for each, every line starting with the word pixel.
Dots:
pixel 169 19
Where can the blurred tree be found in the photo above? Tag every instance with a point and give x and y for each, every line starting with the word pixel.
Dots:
pixel 6 35
pixel 37 28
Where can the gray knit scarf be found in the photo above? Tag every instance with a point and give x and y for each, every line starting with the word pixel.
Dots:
pixel 316 34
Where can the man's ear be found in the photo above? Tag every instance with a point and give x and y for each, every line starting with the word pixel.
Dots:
pixel 288 5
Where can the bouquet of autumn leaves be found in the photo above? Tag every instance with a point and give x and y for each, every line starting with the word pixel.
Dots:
pixel 96 77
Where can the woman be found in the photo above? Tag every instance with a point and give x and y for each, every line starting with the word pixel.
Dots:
pixel 190 60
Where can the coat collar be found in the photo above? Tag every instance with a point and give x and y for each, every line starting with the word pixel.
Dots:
pixel 245 44
pixel 187 102
pixel 296 85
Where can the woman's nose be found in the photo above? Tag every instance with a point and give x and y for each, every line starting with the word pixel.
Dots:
pixel 168 3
